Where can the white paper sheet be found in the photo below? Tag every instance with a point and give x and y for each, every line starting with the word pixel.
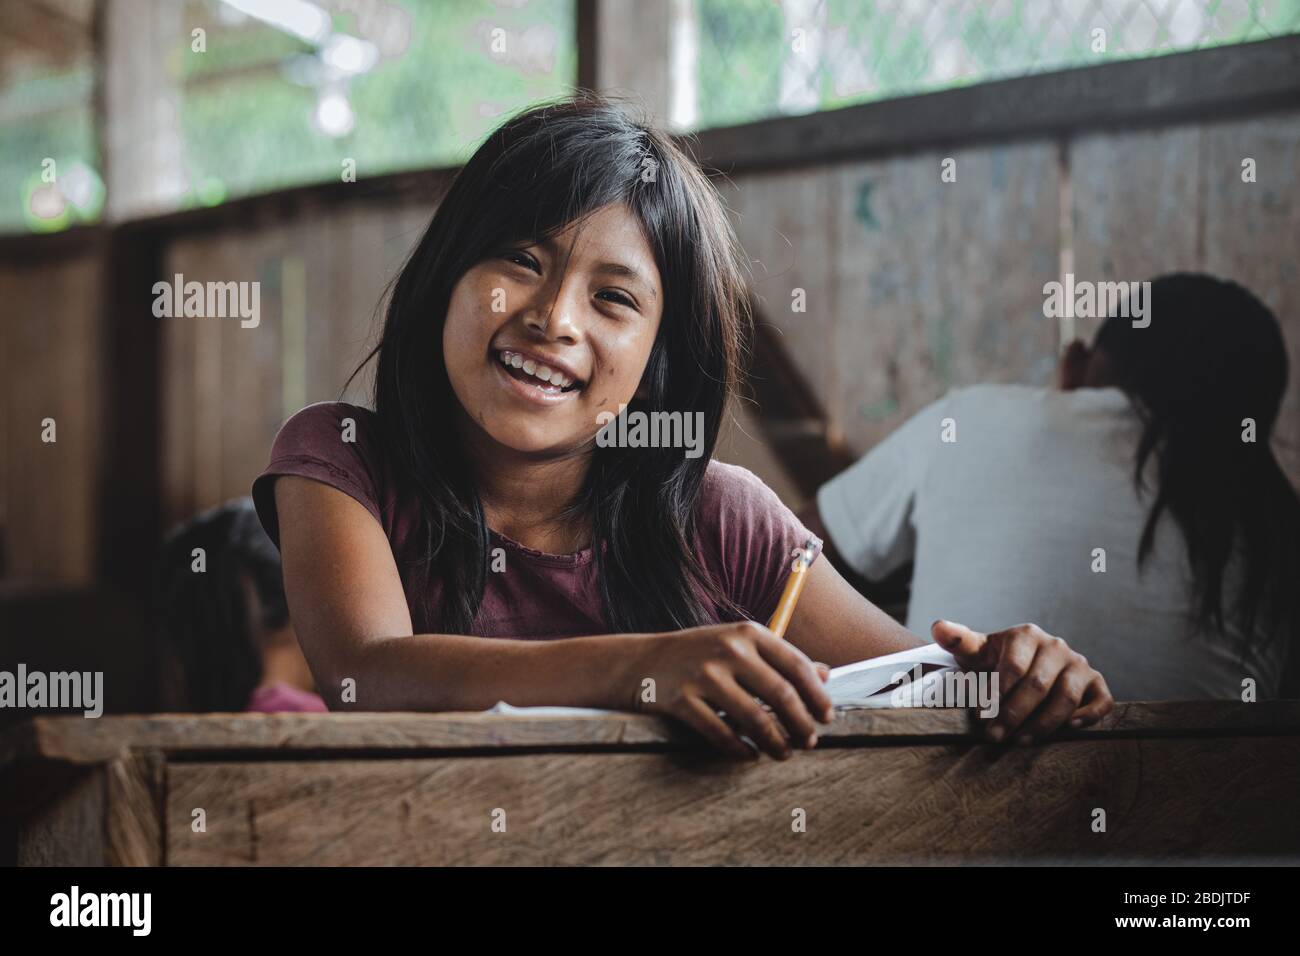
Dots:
pixel 867 683
pixel 854 685
pixel 501 707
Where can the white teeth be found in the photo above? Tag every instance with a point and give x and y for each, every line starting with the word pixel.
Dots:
pixel 543 372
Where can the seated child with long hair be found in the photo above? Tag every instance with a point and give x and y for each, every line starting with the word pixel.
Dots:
pixel 228 644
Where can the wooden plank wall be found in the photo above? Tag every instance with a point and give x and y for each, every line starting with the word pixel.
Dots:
pixel 906 277
pixel 50 367
pixel 227 389
pixel 915 286
pixel 1149 202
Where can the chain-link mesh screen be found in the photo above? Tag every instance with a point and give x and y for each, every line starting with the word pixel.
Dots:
pixel 761 58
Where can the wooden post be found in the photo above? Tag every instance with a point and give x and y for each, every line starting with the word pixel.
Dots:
pixel 139 102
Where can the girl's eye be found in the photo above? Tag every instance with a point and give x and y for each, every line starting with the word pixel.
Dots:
pixel 522 259
pixel 618 297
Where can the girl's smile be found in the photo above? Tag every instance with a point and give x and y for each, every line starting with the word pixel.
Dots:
pixel 536 378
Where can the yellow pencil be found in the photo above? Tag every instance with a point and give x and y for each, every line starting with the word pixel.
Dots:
pixel 803 559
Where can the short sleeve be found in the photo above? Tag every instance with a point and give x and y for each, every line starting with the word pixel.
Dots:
pixel 868 509
pixel 330 442
pixel 752 535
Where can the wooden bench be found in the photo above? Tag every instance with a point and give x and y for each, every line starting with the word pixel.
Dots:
pixel 1211 781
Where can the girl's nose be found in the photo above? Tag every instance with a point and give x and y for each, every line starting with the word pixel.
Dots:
pixel 559 319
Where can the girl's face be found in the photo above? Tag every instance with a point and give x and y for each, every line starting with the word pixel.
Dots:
pixel 540 339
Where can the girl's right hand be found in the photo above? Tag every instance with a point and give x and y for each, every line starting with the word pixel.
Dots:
pixel 723 667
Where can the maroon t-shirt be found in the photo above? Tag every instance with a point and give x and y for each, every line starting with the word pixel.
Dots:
pixel 745 535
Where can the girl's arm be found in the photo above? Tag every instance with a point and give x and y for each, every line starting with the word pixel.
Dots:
pixel 350 614
pixel 349 611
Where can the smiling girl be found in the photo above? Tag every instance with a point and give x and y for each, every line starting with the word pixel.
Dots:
pixel 468 542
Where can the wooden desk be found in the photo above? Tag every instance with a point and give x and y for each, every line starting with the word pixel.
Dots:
pixel 1177 781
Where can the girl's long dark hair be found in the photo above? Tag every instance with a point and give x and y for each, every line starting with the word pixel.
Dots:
pixel 1211 362
pixel 205 620
pixel 542 170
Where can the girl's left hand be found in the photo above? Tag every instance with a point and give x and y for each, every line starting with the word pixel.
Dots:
pixel 1042 684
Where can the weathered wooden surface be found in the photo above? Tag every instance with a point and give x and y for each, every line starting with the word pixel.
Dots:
pixel 917 804
pixel 1174 200
pixel 1252 235
pixel 912 285
pixel 1135 199
pixel 1150 202
pixel 50 367
pixel 1176 780
pixel 134 799
pixel 77 740
pixel 67 828
pixel 322 276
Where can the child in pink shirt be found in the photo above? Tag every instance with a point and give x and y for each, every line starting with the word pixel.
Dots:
pixel 228 644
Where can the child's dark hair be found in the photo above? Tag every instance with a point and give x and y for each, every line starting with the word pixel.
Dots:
pixel 1211 362
pixel 206 618
pixel 542 170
